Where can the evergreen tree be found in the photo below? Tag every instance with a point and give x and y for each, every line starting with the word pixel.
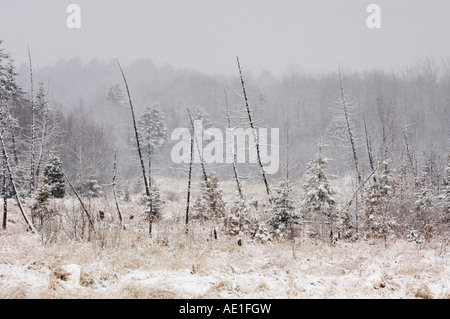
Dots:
pixel 91 187
pixel 238 220
pixel 40 203
pixel 379 189
pixel 115 95
pixel 379 204
pixel 210 203
pixel 426 204
pixel 318 200
pixel 153 205
pixel 284 213
pixel 54 177
pixel 425 190
pixel 152 128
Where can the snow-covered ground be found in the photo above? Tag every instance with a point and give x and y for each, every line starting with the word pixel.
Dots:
pixel 129 264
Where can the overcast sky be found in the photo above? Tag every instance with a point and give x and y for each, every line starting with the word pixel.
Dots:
pixel 208 34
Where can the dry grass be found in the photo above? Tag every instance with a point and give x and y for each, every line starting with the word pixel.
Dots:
pixel 128 263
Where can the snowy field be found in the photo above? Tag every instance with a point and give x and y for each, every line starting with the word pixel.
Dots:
pixel 129 264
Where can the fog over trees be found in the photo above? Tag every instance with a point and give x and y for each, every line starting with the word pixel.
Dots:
pixel 416 99
pixel 386 131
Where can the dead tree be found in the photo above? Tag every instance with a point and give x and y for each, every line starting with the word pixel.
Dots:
pixel 409 153
pixel 5 194
pixel 189 185
pixel 81 202
pixel 369 148
pixel 147 189
pixel 33 126
pixel 349 128
pixel 19 202
pixel 205 176
pixel 252 126
pixel 44 126
pixel 351 140
pixel 114 191
pixel 236 176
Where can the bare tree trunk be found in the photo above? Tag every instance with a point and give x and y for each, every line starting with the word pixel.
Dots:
pixel 43 138
pixel 114 191
pixel 189 186
pixel 408 148
pixel 252 126
pixel 19 202
pixel 352 144
pixel 359 188
pixel 205 176
pixel 147 190
pixel 5 197
pixel 349 130
pixel 369 148
pixel 81 202
pixel 150 213
pixel 13 140
pixel 33 126
pixel 288 147
pixel 236 176
pixel 368 144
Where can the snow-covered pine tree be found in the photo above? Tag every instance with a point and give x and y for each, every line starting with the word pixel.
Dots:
pixel 54 177
pixel 381 187
pixel 91 186
pixel 115 95
pixel 210 204
pixel 10 92
pixel 153 205
pixel 284 212
pixel 318 201
pixel 153 133
pixel 152 128
pixel 40 205
pixel 426 211
pixel 379 203
pixel 238 220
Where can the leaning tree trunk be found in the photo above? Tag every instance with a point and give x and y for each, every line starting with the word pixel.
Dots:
pixel 236 176
pixel 147 189
pixel 81 202
pixel 408 147
pixel 252 126
pixel 19 202
pixel 43 141
pixel 369 148
pixel 114 191
pixel 205 176
pixel 352 144
pixel 349 129
pixel 188 199
pixel 5 197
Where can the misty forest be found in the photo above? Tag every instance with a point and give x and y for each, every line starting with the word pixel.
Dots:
pixel 89 189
